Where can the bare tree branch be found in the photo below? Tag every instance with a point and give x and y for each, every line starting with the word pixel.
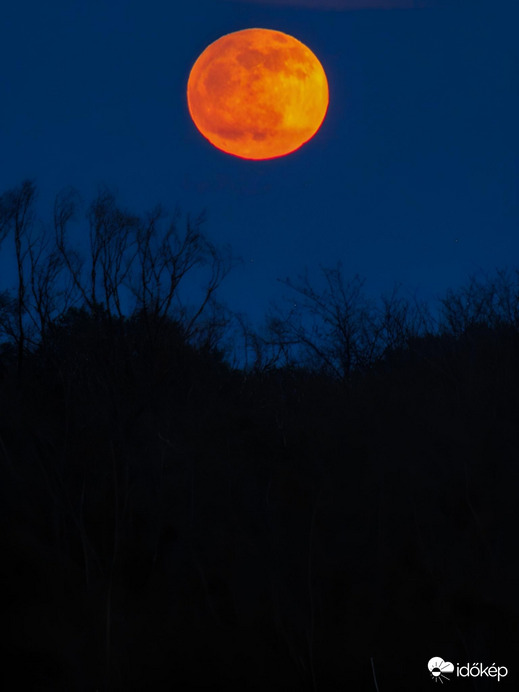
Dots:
pixel 17 215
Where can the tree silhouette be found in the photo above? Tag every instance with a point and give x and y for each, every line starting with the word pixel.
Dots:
pixel 336 329
pixel 132 265
pixel 170 518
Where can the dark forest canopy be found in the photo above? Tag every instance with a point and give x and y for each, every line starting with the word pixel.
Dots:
pixel 343 499
pixel 159 268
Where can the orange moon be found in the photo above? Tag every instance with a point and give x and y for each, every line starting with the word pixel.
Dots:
pixel 257 94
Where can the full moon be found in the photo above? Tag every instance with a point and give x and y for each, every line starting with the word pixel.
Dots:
pixel 257 94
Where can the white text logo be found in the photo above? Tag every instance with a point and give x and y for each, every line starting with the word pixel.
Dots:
pixel 438 669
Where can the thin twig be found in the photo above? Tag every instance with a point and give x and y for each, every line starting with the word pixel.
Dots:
pixel 374 675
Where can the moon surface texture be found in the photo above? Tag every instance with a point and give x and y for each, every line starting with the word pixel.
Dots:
pixel 257 93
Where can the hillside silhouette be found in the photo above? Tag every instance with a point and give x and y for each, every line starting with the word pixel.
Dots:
pixel 323 513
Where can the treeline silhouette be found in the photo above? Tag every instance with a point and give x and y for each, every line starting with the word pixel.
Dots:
pixel 324 504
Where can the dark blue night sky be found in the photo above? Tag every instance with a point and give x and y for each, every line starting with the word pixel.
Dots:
pixel 412 178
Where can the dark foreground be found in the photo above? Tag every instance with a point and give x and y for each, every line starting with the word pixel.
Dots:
pixel 171 524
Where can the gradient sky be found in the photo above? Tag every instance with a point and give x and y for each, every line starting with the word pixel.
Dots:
pixel 412 179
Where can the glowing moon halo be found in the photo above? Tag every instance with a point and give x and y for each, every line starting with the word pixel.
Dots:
pixel 257 94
